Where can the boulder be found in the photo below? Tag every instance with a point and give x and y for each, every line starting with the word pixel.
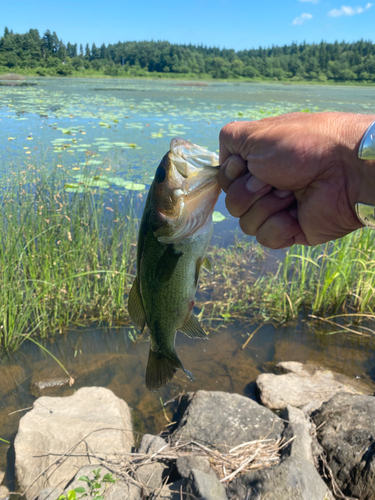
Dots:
pixel 304 385
pixel 120 490
pixel 219 419
pixel 346 430
pixel 4 493
pixel 152 444
pixel 60 435
pixel 294 477
pixel 206 486
pixel 185 465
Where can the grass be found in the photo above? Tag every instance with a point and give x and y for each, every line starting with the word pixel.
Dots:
pixel 335 278
pixel 65 258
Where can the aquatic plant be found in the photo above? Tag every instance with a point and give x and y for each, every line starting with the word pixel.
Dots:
pixel 65 257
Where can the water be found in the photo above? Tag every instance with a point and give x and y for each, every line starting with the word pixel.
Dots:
pixel 126 126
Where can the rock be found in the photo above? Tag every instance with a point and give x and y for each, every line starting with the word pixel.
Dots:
pixel 151 476
pixel 4 493
pixel 60 426
pixel 346 430
pixel 304 385
pixel 172 491
pixel 186 464
pixel 294 477
pixel 119 490
pixel 151 444
pixel 220 420
pixel 50 493
pixel 206 486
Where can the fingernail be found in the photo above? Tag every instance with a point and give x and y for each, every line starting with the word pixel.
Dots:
pixel 294 213
pixel 233 170
pixel 282 194
pixel 254 184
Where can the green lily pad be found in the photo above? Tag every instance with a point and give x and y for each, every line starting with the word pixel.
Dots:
pixel 218 217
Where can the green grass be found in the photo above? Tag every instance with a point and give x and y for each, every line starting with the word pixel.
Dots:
pixel 65 258
pixel 335 278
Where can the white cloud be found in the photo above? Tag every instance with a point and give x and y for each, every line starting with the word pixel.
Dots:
pixel 349 11
pixel 311 1
pixel 302 18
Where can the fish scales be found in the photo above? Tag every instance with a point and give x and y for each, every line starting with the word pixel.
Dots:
pixel 174 235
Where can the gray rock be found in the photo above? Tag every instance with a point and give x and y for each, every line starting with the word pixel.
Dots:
pixel 172 491
pixel 85 423
pixel 347 434
pixel 206 486
pixel 119 490
pixel 151 444
pixel 4 493
pixel 151 476
pixel 294 477
pixel 186 464
pixel 304 385
pixel 50 493
pixel 221 420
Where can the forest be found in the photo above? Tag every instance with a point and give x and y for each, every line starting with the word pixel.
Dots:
pixel 47 55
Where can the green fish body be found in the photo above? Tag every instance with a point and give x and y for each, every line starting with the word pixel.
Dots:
pixel 174 235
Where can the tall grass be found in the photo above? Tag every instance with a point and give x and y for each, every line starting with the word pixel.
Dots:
pixel 338 277
pixel 64 257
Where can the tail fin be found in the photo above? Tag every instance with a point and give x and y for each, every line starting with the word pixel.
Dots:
pixel 161 369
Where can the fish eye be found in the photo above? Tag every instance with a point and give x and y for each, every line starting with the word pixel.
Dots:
pixel 160 174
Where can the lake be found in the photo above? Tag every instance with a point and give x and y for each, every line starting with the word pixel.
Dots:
pixel 119 130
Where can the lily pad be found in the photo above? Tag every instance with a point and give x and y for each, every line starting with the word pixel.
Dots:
pixel 218 217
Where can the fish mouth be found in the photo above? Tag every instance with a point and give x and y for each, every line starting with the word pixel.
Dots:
pixel 193 193
pixel 189 158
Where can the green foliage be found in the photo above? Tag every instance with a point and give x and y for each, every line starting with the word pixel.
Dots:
pixel 65 255
pixel 95 488
pixel 48 55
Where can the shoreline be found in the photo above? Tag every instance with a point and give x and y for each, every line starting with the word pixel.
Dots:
pixel 194 78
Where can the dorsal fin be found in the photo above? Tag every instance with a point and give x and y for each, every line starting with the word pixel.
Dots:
pixel 193 329
pixel 135 306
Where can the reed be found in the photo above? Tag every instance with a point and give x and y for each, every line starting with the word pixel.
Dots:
pixel 65 258
pixel 338 277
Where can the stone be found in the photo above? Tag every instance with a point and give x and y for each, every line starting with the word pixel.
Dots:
pixel 294 477
pixel 172 491
pixel 152 444
pixel 206 486
pixel 346 430
pixel 186 464
pixel 50 493
pixel 91 421
pixel 151 476
pixel 119 490
pixel 304 385
pixel 4 493
pixel 219 419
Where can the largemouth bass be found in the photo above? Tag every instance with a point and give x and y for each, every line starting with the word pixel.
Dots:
pixel 174 234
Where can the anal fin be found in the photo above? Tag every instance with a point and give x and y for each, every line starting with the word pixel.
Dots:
pixel 161 369
pixel 207 265
pixel 193 329
pixel 135 307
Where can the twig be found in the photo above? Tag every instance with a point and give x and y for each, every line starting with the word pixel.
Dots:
pixel 251 336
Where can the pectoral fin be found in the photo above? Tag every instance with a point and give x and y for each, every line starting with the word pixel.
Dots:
pixel 193 329
pixel 135 307
pixel 161 369
pixel 205 263
pixel 167 264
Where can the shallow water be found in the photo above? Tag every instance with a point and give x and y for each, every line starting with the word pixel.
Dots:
pixel 127 125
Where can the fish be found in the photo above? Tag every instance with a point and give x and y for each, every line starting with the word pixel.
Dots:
pixel 173 238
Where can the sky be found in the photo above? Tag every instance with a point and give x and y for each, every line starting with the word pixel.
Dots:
pixel 235 24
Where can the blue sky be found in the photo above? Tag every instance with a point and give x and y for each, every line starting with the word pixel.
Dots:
pixel 237 24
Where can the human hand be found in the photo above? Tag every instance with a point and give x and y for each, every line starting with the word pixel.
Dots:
pixel 296 178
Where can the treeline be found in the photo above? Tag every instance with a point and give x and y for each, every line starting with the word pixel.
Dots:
pixel 48 55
